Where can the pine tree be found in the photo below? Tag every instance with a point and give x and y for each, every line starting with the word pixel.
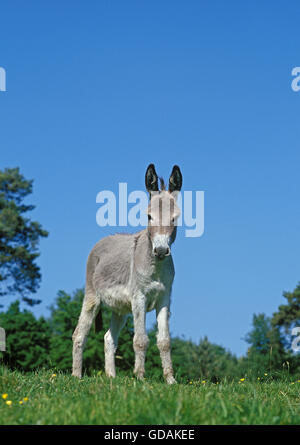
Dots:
pixel 266 352
pixel 19 237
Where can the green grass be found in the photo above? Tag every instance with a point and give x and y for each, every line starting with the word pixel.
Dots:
pixel 62 399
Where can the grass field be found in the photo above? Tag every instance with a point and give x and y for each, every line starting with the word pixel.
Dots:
pixel 51 399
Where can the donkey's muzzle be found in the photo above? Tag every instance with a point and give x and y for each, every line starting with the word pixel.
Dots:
pixel 162 252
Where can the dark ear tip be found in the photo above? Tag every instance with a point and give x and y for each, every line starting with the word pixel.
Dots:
pixel 176 170
pixel 176 167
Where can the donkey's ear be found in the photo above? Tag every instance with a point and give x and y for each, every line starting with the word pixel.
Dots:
pixel 175 181
pixel 151 179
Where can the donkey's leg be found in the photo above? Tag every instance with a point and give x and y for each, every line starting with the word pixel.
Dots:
pixel 140 339
pixel 111 342
pixel 163 341
pixel 87 316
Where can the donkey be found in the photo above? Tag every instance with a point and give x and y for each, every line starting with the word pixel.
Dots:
pixel 134 273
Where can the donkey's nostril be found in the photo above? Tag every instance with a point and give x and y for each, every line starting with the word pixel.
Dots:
pixel 161 252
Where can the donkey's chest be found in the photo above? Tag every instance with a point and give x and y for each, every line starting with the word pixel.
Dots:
pixel 154 291
pixel 154 287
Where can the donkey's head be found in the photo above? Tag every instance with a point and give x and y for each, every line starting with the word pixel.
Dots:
pixel 162 210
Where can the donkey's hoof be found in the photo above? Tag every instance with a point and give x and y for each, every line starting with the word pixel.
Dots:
pixel 139 375
pixel 170 380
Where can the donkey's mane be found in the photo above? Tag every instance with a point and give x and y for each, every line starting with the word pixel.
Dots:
pixel 162 184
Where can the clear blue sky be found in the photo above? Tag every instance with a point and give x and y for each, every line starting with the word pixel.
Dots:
pixel 97 90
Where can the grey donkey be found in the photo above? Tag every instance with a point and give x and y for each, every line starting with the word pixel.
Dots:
pixel 134 273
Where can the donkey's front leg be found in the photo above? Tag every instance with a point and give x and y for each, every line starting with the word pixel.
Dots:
pixel 140 339
pixel 163 340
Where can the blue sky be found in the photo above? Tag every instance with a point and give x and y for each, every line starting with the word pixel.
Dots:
pixel 98 90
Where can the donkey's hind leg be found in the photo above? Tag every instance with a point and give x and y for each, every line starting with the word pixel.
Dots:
pixel 111 342
pixel 88 313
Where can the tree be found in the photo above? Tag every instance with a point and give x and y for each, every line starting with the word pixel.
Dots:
pixel 215 362
pixel 288 315
pixel 285 319
pixel 19 237
pixel 27 339
pixel 204 360
pixel 266 351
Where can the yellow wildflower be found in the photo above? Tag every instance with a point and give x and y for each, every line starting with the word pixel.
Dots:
pixel 25 399
pixel 265 373
pixel 4 396
pixel 242 380
pixel 8 402
pixel 21 402
pixel 53 375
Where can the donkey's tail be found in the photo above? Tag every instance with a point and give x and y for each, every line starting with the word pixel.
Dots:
pixel 99 321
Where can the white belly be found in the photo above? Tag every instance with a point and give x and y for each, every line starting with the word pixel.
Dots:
pixel 117 298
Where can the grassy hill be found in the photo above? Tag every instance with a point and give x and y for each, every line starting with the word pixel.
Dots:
pixel 54 398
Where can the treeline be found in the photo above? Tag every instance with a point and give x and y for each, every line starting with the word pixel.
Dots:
pixel 33 343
